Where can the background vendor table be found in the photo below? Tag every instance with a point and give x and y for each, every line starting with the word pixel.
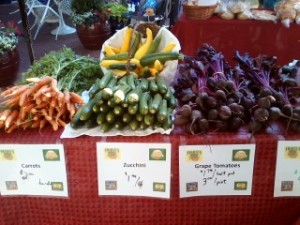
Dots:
pixel 85 207
pixel 227 36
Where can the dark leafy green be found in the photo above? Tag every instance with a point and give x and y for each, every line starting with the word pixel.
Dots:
pixel 73 72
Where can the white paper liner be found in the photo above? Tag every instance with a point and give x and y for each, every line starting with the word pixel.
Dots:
pixel 69 132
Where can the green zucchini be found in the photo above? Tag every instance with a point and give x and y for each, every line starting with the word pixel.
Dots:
pixel 167 124
pixel 111 103
pixel 87 110
pixel 134 95
pixel 154 45
pixel 131 78
pixel 91 122
pixel 153 87
pixel 108 92
pixel 105 127
pixel 155 103
pixel 101 118
pixel 76 123
pixel 139 117
pixel 144 84
pixel 119 56
pixel 134 125
pixel 112 83
pixel 135 44
pixel 96 108
pixel 120 93
pixel 119 125
pixel 162 86
pixel 149 59
pixel 126 118
pixel 143 103
pixel 104 108
pixel 172 102
pixel 105 79
pixel 122 80
pixel 123 66
pixel 118 110
pixel 146 72
pixel 110 117
pixel 95 88
pixel 149 119
pixel 133 109
pixel 163 111
pixel 143 126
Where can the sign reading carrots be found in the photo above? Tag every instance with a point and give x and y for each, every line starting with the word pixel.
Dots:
pixel 33 169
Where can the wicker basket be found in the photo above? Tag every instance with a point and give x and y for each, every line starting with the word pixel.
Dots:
pixel 195 12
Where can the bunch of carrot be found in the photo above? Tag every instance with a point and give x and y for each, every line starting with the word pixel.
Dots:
pixel 37 104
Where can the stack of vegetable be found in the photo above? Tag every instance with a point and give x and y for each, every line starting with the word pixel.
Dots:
pixel 127 102
pixel 73 72
pixel 37 104
pixel 135 55
pixel 212 96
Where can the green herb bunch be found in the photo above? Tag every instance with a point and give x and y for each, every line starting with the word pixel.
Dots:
pixel 73 72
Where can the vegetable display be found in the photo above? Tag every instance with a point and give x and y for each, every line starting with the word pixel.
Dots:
pixel 127 103
pixel 73 72
pixel 212 96
pixel 37 104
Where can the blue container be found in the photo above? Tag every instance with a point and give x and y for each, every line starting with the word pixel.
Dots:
pixel 269 4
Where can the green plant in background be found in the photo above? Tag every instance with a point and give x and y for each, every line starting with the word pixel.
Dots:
pixel 87 12
pixel 8 37
pixel 116 9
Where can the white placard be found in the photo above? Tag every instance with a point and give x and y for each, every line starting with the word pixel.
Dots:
pixel 287 177
pixel 207 170
pixel 134 169
pixel 33 169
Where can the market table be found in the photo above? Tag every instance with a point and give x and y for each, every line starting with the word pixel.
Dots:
pixel 227 36
pixel 85 207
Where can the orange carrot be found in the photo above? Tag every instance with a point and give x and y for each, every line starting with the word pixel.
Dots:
pixel 35 124
pixel 67 99
pixel 72 110
pixel 42 124
pixel 53 85
pixel 5 114
pixel 53 102
pixel 40 91
pixel 76 98
pixel 11 128
pixel 61 111
pixel 26 124
pixel 42 105
pixel 54 124
pixel 11 118
pixel 45 114
pixel 33 79
pixel 51 111
pixel 24 97
pixel 8 91
pixel 60 99
pixel 17 91
pixel 61 123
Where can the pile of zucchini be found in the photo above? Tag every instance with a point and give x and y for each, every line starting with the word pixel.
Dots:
pixel 127 102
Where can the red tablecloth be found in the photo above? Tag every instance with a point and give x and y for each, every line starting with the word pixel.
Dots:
pixel 85 207
pixel 227 36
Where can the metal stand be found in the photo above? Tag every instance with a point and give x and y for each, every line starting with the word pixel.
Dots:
pixel 27 32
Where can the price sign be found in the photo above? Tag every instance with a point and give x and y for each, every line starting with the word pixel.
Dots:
pixel 216 169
